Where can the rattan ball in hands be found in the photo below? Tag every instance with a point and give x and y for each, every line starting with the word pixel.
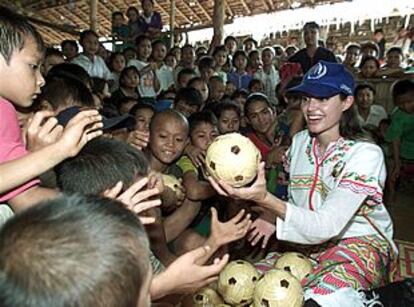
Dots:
pixel 278 288
pixel 233 158
pixel 237 281
pixel 295 263
pixel 206 297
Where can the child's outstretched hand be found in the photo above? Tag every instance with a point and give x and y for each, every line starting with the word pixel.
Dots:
pixel 196 155
pixel 263 227
pixel 135 198
pixel 232 230
pixel 184 275
pixel 138 139
pixel 82 128
pixel 42 130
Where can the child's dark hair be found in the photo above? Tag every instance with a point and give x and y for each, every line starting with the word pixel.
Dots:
pixel 128 49
pixel 240 93
pixel 158 42
pixel 369 58
pixel 395 49
pixel 132 8
pixel 185 71
pixel 311 25
pixel 141 38
pixel 125 72
pixel 187 46
pixel 141 106
pixel 254 82
pixel 195 80
pixel 218 49
pixel 253 52
pixel 206 62
pixel 122 101
pixel 60 90
pixel 256 97
pixel 117 13
pixel 200 118
pixel 402 87
pixel 53 52
pixel 100 165
pixel 73 71
pixel 69 42
pixel 113 57
pixel 14 30
pixel 229 38
pixel 189 96
pixel 80 239
pixel 364 86
pixel 352 45
pixel 237 54
pixel 86 33
pixel 221 107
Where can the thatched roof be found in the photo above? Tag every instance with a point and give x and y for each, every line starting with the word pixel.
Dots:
pixel 73 15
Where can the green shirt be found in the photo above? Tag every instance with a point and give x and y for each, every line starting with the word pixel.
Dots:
pixel 402 127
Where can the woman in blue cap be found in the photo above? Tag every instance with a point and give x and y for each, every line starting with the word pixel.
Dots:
pixel 335 213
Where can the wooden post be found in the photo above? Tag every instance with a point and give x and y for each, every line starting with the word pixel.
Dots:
pixel 218 21
pixel 93 11
pixel 172 22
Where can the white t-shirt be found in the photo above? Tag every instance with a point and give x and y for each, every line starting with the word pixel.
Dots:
pixel 270 81
pixel 96 68
pixel 166 77
pixel 376 114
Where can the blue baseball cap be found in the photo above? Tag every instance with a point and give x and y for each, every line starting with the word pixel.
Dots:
pixel 326 79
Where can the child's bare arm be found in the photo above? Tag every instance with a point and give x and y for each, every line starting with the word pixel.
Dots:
pixel 76 134
pixel 158 239
pixel 179 220
pixel 196 189
pixel 31 197
pixel 395 172
pixel 185 275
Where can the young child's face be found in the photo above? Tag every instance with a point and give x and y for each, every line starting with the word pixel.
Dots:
pixel 267 58
pixel 69 51
pixel 220 58
pixel 311 36
pixel 255 60
pixel 229 89
pixel 207 73
pixel 144 50
pixel 202 88
pixel 21 79
pixel 240 63
pixel 183 80
pixel 405 102
pixel 132 15
pixel 203 135
pixel 159 52
pixel 186 109
pixel 143 119
pixel 187 56
pixel 90 44
pixel 171 61
pixel 118 20
pixel 131 79
pixel 51 61
pixel 365 98
pixel 217 90
pixel 229 122
pixel 394 60
pixel 260 116
pixel 130 54
pixel 168 139
pixel 369 69
pixel 352 55
pixel 118 63
pixel 257 87
pixel 231 46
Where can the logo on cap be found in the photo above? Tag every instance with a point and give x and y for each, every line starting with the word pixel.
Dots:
pixel 317 71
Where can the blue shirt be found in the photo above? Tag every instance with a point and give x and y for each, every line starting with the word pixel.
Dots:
pixel 239 81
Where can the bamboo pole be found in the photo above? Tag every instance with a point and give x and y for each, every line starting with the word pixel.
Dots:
pixel 172 22
pixel 93 14
pixel 218 21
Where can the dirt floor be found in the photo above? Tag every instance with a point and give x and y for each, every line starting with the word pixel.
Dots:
pixel 403 213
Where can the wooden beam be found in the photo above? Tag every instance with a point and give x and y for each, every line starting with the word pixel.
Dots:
pixel 218 21
pixel 61 28
pixel 177 10
pixel 266 5
pixel 246 7
pixel 42 5
pixel 203 10
pixel 192 11
pixel 172 22
pixel 229 10
pixel 93 11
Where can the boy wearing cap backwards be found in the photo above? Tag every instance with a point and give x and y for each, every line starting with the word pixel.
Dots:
pixel 21 54
pixel 335 200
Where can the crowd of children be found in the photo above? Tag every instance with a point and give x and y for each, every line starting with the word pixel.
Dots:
pixel 83 138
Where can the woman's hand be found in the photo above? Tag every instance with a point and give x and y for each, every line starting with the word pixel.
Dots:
pixel 257 192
